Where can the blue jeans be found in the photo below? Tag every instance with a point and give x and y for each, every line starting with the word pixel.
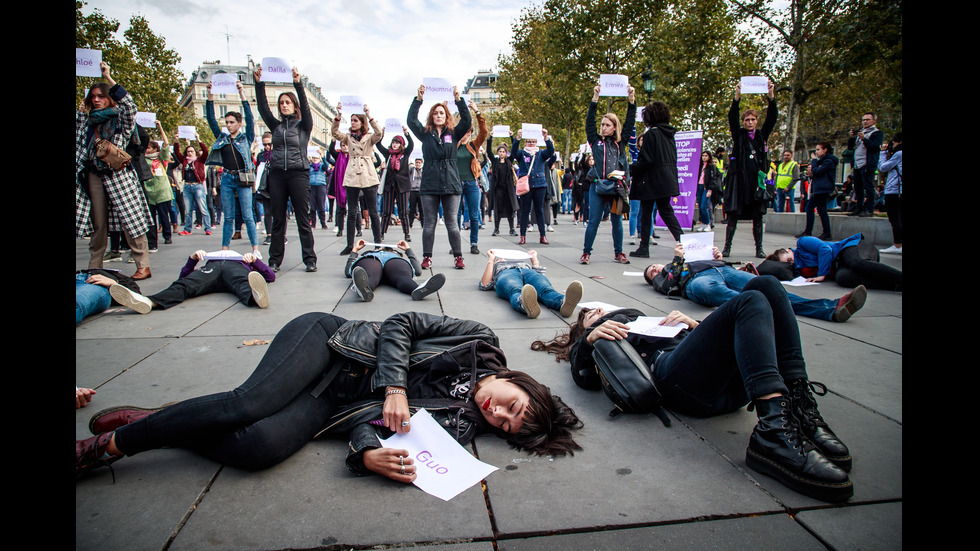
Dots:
pixel 781 196
pixel 510 281
pixel 566 201
pixel 747 348
pixel 595 216
pixel 471 195
pixel 89 299
pixel 229 185
pixel 715 286
pixel 195 194
pixel 704 205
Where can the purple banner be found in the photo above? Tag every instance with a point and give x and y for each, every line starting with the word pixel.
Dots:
pixel 688 157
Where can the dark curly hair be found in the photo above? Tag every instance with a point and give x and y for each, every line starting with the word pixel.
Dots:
pixel 656 113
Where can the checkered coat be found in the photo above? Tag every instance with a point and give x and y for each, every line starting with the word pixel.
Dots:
pixel 127 204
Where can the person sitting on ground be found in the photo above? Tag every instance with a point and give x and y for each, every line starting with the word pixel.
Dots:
pixel 748 351
pixel 323 374
pixel 246 277
pixel 92 290
pixel 852 261
pixel 395 267
pixel 714 282
pixel 522 282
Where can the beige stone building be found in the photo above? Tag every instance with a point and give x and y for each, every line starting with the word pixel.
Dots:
pixel 482 92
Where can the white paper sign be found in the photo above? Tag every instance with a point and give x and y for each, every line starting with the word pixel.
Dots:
pixel 443 467
pixel 380 245
pixel 416 154
pixel 87 62
pixel 639 113
pixel 531 131
pixel 227 83
pixel 755 85
pixel 187 132
pixel 438 90
pixel 645 325
pixel 223 255
pixel 352 105
pixel 697 246
pixel 598 304
pixel 614 85
pixel 393 127
pixel 584 148
pixel 501 131
pixel 312 150
pixel 146 119
pixel 452 105
pixel 510 254
pixel 276 69
pixel 799 281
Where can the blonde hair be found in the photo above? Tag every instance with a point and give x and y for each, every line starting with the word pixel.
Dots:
pixel 617 126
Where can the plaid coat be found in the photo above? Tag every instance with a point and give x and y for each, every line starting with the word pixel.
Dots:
pixel 127 204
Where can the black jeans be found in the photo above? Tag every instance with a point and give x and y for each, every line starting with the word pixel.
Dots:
pixel 893 206
pixel 222 276
pixel 747 348
pixel 858 265
pixel 370 196
pixel 266 419
pixel 290 185
pixel 817 201
pixel 666 211
pixel 533 199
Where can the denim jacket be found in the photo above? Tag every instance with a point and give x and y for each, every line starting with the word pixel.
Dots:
pixel 243 141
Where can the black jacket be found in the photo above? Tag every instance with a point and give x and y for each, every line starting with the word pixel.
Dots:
pixel 748 159
pixel 655 170
pixel 440 176
pixel 407 350
pixel 290 135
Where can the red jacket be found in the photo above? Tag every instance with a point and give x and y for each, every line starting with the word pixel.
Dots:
pixel 202 155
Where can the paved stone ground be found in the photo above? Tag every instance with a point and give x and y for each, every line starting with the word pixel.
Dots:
pixel 637 484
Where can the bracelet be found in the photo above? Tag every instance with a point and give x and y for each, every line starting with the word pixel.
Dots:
pixel 396 391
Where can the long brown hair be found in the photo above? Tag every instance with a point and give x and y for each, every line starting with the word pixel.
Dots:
pixel 450 121
pixel 102 87
pixel 292 97
pixel 561 345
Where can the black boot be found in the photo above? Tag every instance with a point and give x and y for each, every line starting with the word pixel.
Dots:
pixel 757 235
pixel 812 424
pixel 729 235
pixel 778 449
pixel 644 250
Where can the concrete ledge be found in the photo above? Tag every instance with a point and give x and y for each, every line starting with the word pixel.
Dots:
pixel 875 228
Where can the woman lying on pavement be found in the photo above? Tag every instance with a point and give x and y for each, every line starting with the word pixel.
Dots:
pixel 852 261
pixel 521 281
pixel 713 282
pixel 295 395
pixel 746 352
pixel 396 267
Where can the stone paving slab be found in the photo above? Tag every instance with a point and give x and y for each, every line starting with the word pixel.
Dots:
pixel 679 487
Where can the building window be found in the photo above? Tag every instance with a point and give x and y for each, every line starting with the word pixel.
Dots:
pixel 223 109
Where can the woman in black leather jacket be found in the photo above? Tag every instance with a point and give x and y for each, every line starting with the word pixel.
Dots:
pixel 382 371
pixel 289 168
pixel 747 351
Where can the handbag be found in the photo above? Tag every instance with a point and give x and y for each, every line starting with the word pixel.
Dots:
pixel 626 379
pixel 524 182
pixel 607 187
pixel 110 154
pixel 764 193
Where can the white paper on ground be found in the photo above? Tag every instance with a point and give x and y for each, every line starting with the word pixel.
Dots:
pixel 697 246
pixel 646 325
pixel 633 274
pixel 223 255
pixel 444 467
pixel 800 281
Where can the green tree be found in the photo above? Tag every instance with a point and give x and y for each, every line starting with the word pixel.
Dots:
pixel 142 63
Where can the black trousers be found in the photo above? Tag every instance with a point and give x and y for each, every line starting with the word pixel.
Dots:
pixel 290 185
pixel 221 276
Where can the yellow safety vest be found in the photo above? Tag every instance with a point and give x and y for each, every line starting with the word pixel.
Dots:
pixel 783 179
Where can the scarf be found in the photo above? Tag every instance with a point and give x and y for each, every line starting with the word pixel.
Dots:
pixel 154 159
pixel 105 122
pixel 395 159
pixel 315 167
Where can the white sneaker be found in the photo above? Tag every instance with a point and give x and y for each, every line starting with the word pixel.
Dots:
pixel 257 254
pixel 260 289
pixel 549 228
pixel 632 240
pixel 131 300
pixel 892 250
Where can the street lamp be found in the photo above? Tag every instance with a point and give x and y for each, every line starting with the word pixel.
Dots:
pixel 648 83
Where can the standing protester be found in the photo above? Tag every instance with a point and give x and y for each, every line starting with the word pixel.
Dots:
pixel 233 152
pixel 865 143
pixel 468 166
pixel 709 185
pixel 655 175
pixel 360 176
pixel 195 180
pixel 503 197
pixel 440 185
pixel 743 196
pixel 108 116
pixel 262 196
pixel 787 174
pixel 415 202
pixel 398 185
pixel 339 157
pixel 319 173
pixel 289 178
pixel 531 162
pixel 159 194
pixel 890 163
pixel 610 154
pixel 822 169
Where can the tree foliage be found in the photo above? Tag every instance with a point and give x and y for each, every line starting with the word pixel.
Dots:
pixel 694 50
pixel 141 63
